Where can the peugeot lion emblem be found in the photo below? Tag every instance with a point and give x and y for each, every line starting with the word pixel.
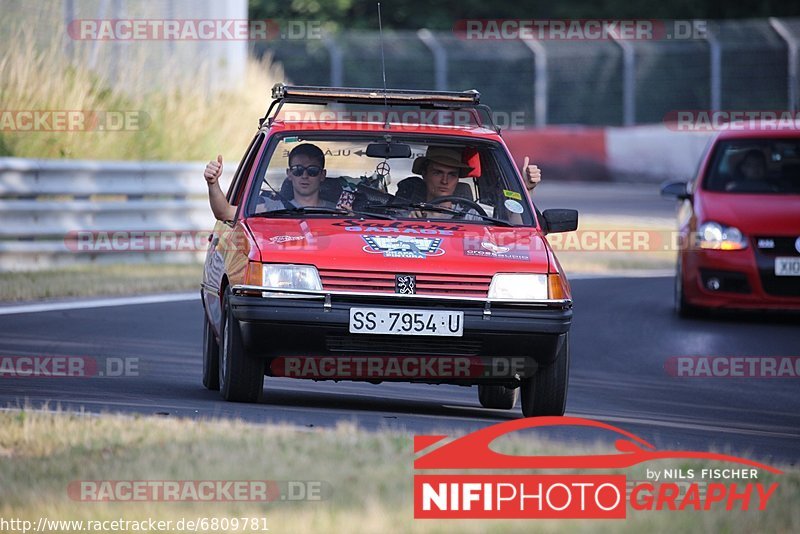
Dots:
pixel 405 284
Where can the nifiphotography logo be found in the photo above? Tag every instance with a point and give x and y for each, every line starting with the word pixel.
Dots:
pixel 573 496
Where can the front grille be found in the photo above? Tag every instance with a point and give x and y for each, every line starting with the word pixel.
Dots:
pixel 462 285
pixel 781 246
pixel 400 345
pixel 779 286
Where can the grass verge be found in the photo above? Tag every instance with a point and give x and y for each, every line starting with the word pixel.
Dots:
pixel 609 244
pixel 369 473
pixel 96 280
pixel 178 117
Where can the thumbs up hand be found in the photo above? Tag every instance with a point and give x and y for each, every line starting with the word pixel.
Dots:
pixel 213 171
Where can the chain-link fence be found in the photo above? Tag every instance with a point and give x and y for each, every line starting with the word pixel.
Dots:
pixel 733 65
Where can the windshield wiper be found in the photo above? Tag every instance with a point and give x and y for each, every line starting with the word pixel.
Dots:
pixel 424 206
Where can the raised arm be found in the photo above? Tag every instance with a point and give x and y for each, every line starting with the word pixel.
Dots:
pixel 223 211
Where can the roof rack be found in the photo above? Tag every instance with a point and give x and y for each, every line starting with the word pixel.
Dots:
pixel 310 94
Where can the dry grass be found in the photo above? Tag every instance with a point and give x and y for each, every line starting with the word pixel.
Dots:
pixel 185 123
pixel 95 280
pixel 592 229
pixel 370 474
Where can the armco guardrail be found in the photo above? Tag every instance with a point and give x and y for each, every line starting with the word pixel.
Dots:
pixel 42 202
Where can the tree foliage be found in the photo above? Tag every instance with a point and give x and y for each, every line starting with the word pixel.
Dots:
pixel 442 15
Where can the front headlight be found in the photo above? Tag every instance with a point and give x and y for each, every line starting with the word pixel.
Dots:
pixel 519 287
pixel 716 236
pixel 280 276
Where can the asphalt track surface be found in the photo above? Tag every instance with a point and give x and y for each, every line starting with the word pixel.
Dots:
pixel 623 333
pixel 606 199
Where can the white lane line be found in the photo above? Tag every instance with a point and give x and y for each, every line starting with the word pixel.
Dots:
pixel 706 427
pixel 96 303
pixel 40 307
pixel 627 273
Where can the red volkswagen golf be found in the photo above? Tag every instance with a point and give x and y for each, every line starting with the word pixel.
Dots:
pixel 740 224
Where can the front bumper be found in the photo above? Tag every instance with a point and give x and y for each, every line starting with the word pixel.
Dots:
pixel 296 325
pixel 745 269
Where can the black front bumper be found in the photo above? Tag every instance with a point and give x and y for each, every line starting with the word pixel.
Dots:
pixel 289 327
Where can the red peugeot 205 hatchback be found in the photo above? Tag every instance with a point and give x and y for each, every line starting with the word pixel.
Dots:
pixel 399 248
pixel 740 224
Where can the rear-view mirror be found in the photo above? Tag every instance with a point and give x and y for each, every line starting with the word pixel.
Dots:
pixel 676 189
pixel 388 150
pixel 560 220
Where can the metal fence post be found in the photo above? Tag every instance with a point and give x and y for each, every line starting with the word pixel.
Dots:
pixel 715 70
pixel 628 81
pixel 540 82
pixel 335 53
pixel 439 57
pixel 791 43
pixel 69 16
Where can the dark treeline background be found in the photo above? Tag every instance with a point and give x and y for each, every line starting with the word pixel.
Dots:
pixel 441 15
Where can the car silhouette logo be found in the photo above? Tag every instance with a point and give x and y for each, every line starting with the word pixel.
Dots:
pixel 474 451
pixel 496 249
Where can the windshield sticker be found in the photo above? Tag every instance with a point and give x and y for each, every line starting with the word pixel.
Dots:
pixel 398 227
pixel 487 249
pixel 403 246
pixel 513 206
pixel 512 194
pixel 276 239
pixel 291 139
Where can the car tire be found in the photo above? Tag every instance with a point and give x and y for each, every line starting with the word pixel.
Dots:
pixel 683 308
pixel 497 397
pixel 241 377
pixel 210 356
pixel 545 393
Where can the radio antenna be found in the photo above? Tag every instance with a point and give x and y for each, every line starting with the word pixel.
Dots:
pixel 383 67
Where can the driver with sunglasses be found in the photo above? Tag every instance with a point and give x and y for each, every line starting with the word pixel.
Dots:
pixel 306 172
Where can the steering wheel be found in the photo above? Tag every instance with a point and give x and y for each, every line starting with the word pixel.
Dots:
pixel 460 200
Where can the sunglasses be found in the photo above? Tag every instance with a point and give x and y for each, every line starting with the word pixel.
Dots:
pixel 311 170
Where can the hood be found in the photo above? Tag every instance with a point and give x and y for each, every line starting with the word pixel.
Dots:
pixel 440 247
pixel 753 214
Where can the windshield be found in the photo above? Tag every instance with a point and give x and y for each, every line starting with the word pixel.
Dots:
pixel 756 166
pixel 400 178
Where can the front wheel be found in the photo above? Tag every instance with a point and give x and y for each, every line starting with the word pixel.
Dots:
pixel 497 397
pixel 545 393
pixel 210 356
pixel 683 308
pixel 241 377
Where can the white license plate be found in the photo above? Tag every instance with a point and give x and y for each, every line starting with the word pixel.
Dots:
pixel 406 322
pixel 787 266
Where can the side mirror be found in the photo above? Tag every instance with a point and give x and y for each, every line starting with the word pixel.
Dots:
pixel 388 150
pixel 560 220
pixel 680 190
